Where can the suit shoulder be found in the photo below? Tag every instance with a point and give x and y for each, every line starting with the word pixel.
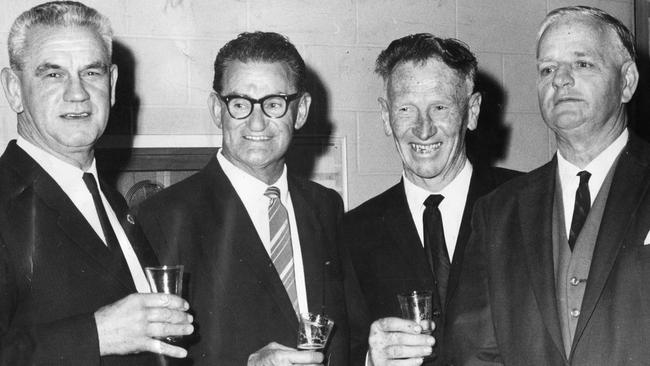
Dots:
pixel 502 175
pixel 376 205
pixel 181 193
pixel 315 190
pixel 517 181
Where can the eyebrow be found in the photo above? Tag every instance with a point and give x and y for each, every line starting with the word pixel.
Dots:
pixel 40 69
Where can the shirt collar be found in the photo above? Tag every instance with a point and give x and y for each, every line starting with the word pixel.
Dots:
pixel 455 191
pixel 598 167
pixel 63 173
pixel 247 186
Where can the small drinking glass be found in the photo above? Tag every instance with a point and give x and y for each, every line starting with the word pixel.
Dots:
pixel 313 331
pixel 167 280
pixel 417 306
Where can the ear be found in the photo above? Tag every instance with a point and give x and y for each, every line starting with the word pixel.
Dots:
pixel 303 110
pixel 630 80
pixel 113 72
pixel 214 105
pixel 473 110
pixel 385 115
pixel 12 88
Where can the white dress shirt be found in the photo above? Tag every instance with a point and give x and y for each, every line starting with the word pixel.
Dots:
pixel 598 168
pixel 251 192
pixel 69 178
pixel 451 208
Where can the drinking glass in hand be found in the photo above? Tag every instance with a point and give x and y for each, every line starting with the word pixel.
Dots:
pixel 417 306
pixel 167 280
pixel 313 331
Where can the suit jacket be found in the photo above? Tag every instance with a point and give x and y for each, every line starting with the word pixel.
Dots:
pixel 511 316
pixel 238 299
pixel 387 253
pixel 55 271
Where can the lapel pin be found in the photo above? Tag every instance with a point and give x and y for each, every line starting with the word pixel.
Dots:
pixel 130 219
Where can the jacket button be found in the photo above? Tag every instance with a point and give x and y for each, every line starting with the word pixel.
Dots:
pixel 574 281
pixel 575 313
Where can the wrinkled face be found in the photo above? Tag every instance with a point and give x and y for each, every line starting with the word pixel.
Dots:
pixel 65 90
pixel 581 80
pixel 257 144
pixel 427 111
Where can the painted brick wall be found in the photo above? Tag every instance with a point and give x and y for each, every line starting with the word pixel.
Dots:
pixel 166 49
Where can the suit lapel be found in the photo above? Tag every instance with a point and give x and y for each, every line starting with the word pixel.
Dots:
pixel 536 212
pixel 144 252
pixel 629 185
pixel 240 240
pixel 481 183
pixel 312 248
pixel 68 218
pixel 397 218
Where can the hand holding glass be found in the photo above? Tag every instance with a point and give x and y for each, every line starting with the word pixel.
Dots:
pixel 167 280
pixel 313 331
pixel 417 306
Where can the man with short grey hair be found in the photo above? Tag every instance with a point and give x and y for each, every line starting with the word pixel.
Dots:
pixel 70 257
pixel 561 254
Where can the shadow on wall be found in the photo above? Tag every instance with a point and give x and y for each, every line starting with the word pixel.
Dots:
pixel 487 144
pixel 302 157
pixel 124 114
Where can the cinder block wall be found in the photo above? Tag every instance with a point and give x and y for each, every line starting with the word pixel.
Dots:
pixel 165 49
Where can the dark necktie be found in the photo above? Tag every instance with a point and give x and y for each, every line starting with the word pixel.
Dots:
pixel 581 208
pixel 109 234
pixel 434 244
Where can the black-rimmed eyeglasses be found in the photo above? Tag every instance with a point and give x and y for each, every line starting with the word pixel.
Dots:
pixel 274 105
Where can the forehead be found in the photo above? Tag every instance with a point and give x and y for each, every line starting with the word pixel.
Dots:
pixel 578 36
pixel 47 44
pixel 429 77
pixel 257 79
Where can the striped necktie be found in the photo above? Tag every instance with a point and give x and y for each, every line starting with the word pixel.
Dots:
pixel 281 250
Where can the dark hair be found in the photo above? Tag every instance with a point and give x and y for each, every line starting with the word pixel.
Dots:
pixel 421 47
pixel 623 34
pixel 260 47
pixel 56 14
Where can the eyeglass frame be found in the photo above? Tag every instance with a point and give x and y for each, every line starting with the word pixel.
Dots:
pixel 288 98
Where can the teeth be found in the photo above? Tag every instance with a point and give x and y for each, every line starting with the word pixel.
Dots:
pixel 76 115
pixel 256 138
pixel 419 148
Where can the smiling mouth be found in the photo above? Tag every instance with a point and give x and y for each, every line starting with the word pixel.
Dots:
pixel 257 138
pixel 566 100
pixel 75 115
pixel 425 148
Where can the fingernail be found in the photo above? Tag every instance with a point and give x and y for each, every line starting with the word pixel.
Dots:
pixel 430 340
pixel 186 305
pixel 190 318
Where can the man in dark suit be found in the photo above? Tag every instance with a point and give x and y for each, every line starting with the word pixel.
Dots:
pixel 429 104
pixel 219 223
pixel 70 257
pixel 561 254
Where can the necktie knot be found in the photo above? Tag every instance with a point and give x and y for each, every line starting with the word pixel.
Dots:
pixel 272 192
pixel 584 177
pixel 89 180
pixel 433 200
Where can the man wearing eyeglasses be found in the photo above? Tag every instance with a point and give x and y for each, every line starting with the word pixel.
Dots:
pixel 260 244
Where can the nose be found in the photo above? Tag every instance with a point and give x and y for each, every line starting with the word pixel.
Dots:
pixel 562 77
pixel 424 127
pixel 75 91
pixel 256 121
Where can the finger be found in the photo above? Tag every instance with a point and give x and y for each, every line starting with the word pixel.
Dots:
pixel 407 339
pixel 160 347
pixel 165 300
pixel 396 325
pixel 169 329
pixel 165 315
pixel 398 352
pixel 305 357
